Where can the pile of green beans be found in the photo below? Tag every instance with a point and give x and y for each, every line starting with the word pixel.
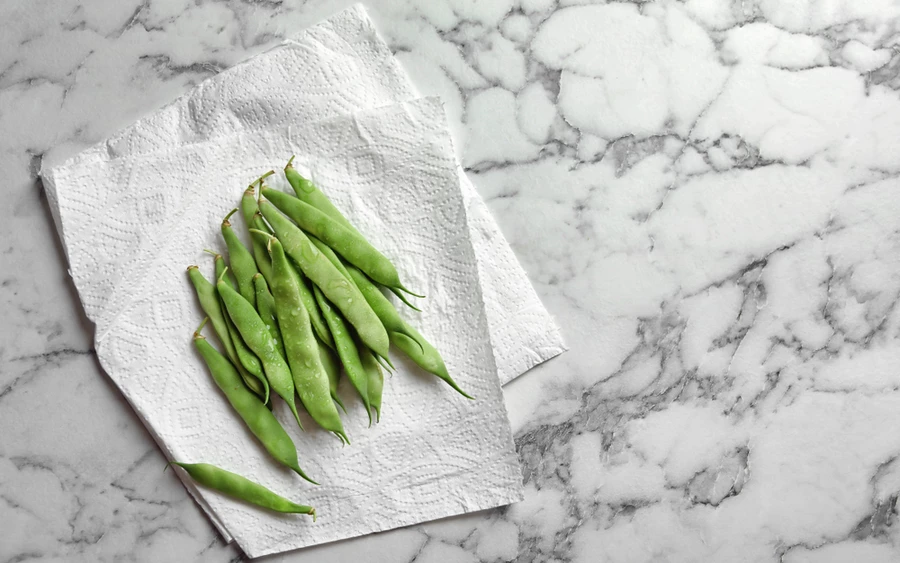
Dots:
pixel 301 305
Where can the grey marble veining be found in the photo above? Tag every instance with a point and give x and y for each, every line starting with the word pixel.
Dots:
pixel 705 194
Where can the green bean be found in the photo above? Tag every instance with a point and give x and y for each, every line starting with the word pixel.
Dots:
pixel 261 422
pixel 346 349
pixel 209 302
pixel 333 369
pixel 352 246
pixel 265 305
pixel 242 488
pixel 250 211
pixel 249 206
pixel 241 261
pixel 375 380
pixel 403 335
pixel 310 378
pixel 253 372
pixel 340 291
pixel 308 192
pixel 257 337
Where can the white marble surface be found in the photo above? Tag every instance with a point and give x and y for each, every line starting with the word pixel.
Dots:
pixel 705 194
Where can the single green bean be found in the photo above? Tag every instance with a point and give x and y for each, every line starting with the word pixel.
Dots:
pixel 248 200
pixel 308 192
pixel 261 422
pixel 250 211
pixel 346 349
pixel 242 488
pixel 240 259
pixel 401 333
pixel 310 378
pixel 257 337
pixel 253 371
pixel 333 369
pixel 340 291
pixel 209 302
pixel 265 305
pixel 353 247
pixel 376 380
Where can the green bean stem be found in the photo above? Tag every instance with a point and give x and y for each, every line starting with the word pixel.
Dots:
pixel 261 422
pixel 257 337
pixel 342 293
pixel 241 488
pixel 310 377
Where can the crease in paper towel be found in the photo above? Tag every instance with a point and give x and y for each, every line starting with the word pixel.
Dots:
pixel 345 67
pixel 464 458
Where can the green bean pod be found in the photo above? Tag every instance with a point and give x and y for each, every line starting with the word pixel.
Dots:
pixel 341 292
pixel 209 302
pixel 241 488
pixel 265 305
pixel 257 337
pixel 308 192
pixel 346 349
pixel 240 259
pixel 261 422
pixel 250 211
pixel 333 369
pixel 352 246
pixel 310 378
pixel 375 382
pixel 403 335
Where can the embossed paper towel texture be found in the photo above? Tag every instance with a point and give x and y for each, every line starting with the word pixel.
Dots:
pixel 336 67
pixel 434 453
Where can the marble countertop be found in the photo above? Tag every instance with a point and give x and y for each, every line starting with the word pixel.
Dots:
pixel 704 193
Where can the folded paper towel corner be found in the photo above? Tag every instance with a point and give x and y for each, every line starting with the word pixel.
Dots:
pixel 133 211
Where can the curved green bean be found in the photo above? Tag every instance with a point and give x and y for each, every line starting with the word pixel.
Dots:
pixel 242 488
pixel 352 246
pixel 341 292
pixel 209 302
pixel 346 349
pixel 403 335
pixel 265 305
pixel 240 259
pixel 257 337
pixel 310 378
pixel 261 422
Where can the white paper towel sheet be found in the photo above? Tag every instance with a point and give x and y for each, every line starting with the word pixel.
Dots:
pixel 336 67
pixel 135 210
pixel 434 453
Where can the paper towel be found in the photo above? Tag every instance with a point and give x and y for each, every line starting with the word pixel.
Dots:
pixel 336 67
pixel 391 170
